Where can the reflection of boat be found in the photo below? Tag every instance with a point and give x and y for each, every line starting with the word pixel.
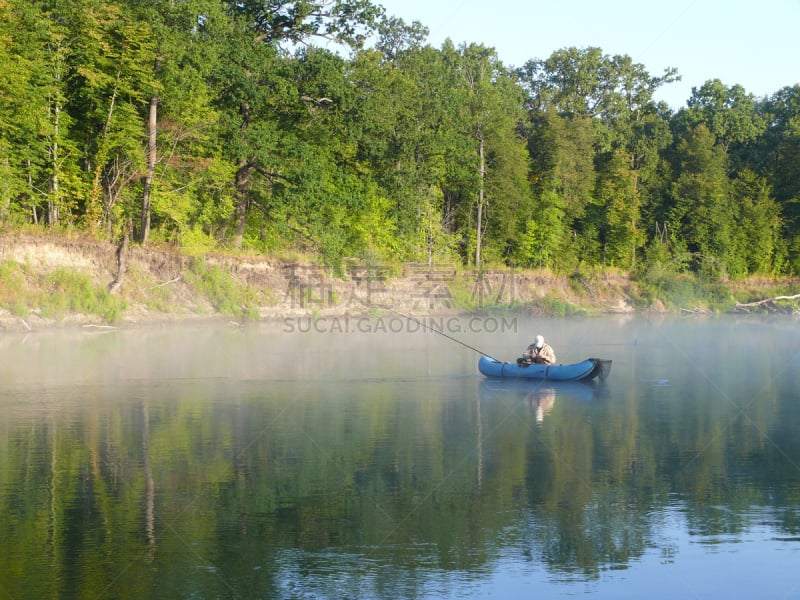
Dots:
pixel 585 370
pixel 540 392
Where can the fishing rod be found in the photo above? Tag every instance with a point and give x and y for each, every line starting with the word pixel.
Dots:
pixel 434 330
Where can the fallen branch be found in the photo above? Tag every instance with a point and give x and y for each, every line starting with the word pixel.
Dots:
pixel 767 301
pixel 587 286
pixel 177 279
pixel 769 304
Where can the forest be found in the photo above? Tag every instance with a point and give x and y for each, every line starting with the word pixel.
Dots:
pixel 330 129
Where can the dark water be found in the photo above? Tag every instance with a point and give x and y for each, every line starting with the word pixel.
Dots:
pixel 278 462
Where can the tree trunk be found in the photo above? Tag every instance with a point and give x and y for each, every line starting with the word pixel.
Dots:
pixel 152 123
pixel 122 261
pixel 52 203
pixel 243 174
pixel 479 224
pixel 32 192
pixel 96 197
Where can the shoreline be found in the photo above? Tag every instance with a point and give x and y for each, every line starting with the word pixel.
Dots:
pixel 159 286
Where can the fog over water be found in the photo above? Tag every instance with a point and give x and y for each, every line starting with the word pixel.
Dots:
pixel 349 347
pixel 368 458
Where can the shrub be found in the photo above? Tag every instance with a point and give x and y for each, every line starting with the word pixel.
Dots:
pixel 224 294
pixel 66 291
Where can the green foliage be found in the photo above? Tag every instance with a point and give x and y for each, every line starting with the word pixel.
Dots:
pixel 673 290
pixel 718 295
pixel 69 292
pixel 195 242
pixel 702 213
pixel 676 291
pixel 552 306
pixel 728 112
pixel 617 213
pixel 222 291
pixel 56 294
pixel 401 151
pixel 14 289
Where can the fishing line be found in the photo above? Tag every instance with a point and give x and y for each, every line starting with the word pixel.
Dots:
pixel 434 330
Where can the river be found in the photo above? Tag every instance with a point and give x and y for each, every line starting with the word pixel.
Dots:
pixel 367 458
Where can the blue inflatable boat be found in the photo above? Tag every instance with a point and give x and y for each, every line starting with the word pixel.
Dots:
pixel 582 371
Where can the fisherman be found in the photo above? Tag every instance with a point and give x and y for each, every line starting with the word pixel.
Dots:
pixel 538 352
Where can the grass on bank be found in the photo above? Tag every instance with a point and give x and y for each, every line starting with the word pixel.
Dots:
pixel 66 291
pixel 56 294
pixel 225 294
pixel 680 291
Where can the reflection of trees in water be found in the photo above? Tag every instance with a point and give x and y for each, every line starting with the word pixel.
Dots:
pixel 588 511
pixel 600 475
pixel 227 489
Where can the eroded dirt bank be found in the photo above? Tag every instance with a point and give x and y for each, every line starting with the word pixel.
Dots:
pixel 157 285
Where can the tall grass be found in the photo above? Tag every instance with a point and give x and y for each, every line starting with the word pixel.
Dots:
pixel 224 293
pixel 56 294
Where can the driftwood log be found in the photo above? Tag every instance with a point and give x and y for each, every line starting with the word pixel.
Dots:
pixel 766 302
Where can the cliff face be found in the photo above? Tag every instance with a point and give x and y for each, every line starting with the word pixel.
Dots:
pixel 159 284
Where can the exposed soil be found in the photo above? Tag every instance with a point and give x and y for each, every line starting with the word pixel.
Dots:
pixel 154 286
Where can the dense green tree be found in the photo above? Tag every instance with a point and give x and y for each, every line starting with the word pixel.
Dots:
pixel 565 93
pixel 743 219
pixel 322 191
pixel 397 38
pixel 781 154
pixel 729 113
pixel 18 47
pixel 111 81
pixel 41 148
pixel 209 122
pixel 492 117
pixel 190 190
pixel 406 134
pixel 451 125
pixel 545 237
pixel 618 200
pixel 639 130
pixel 701 216
pixel 778 158
pixel 758 229
pixel 256 91
pixel 590 114
pixel 178 66
pixel 296 21
pixel 563 175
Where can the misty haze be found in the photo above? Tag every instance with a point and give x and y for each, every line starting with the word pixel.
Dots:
pixel 332 459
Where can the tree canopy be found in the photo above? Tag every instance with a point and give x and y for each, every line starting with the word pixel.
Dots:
pixel 330 128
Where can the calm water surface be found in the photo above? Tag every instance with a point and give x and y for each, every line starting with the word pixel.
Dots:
pixel 276 462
